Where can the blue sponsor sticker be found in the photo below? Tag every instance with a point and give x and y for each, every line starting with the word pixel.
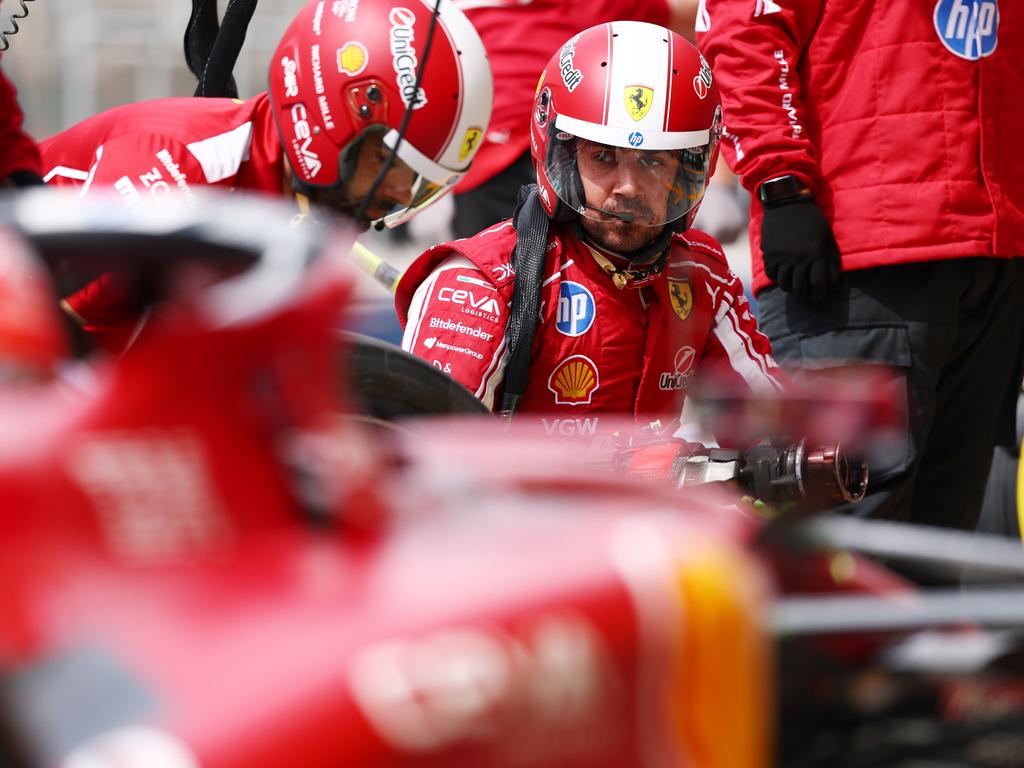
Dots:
pixel 635 139
pixel 575 312
pixel 968 28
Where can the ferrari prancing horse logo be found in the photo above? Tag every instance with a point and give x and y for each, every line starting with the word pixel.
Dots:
pixel 681 296
pixel 469 142
pixel 638 101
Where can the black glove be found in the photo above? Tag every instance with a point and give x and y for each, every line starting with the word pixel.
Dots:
pixel 800 251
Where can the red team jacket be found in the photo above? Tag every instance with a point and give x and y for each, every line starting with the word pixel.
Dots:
pixel 167 146
pixel 597 348
pixel 17 150
pixel 156 149
pixel 904 117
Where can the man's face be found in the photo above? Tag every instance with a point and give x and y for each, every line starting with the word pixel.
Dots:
pixel 394 190
pixel 620 180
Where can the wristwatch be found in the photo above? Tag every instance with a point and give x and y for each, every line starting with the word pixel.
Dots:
pixel 782 189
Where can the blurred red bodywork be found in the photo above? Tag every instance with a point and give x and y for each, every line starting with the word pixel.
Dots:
pixel 205 564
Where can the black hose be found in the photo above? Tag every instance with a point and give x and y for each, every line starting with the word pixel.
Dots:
pixel 219 54
pixel 200 34
pixel 531 223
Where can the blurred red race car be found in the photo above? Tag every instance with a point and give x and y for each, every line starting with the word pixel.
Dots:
pixel 209 558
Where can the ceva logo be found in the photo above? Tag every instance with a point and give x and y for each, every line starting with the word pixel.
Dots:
pixel 309 159
pixel 472 304
pixel 968 28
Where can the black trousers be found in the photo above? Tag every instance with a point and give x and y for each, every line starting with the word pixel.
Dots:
pixel 952 333
pixel 492 201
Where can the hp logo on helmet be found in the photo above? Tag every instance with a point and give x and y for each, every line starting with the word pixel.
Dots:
pixel 968 28
pixel 635 139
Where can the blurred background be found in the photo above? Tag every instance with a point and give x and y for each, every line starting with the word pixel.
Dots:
pixel 74 58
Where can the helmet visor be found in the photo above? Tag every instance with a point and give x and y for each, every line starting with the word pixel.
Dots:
pixel 647 187
pixel 430 181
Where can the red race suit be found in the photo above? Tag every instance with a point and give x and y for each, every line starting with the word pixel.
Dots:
pixel 940 79
pixel 155 149
pixel 598 348
pixel 520 36
pixel 17 150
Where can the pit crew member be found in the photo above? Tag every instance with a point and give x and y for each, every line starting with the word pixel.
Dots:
pixel 360 117
pixel 625 131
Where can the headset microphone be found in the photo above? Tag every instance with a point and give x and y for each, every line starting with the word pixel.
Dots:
pixel 626 217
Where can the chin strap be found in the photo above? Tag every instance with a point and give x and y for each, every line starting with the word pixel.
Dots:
pixel 302 202
pixel 632 276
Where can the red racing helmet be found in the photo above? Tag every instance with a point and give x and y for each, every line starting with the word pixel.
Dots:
pixel 347 67
pixel 634 93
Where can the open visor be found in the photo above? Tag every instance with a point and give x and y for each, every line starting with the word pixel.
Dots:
pixel 654 186
pixel 430 183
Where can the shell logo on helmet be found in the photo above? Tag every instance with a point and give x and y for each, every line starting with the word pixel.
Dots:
pixel 403 56
pixel 574 381
pixel 352 58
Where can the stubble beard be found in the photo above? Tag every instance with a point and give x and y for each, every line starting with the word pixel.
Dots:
pixel 620 237
pixel 339 202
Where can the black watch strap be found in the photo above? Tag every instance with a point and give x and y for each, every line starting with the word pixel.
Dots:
pixel 782 189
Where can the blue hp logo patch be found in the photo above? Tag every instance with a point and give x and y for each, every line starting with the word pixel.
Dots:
pixel 968 28
pixel 576 311
pixel 635 139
